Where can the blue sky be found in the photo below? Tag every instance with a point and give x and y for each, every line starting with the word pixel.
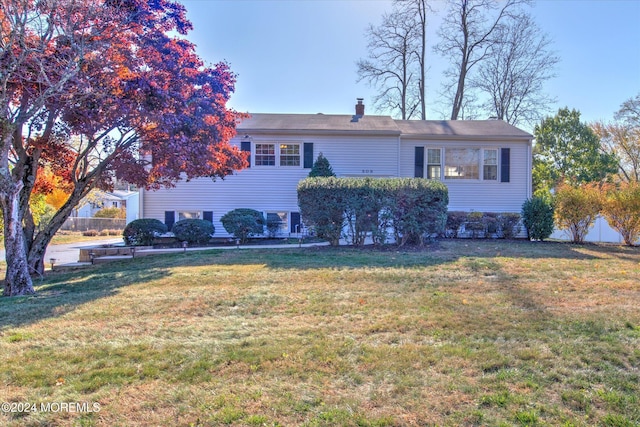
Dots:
pixel 299 56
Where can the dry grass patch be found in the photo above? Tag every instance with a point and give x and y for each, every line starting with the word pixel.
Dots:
pixel 462 333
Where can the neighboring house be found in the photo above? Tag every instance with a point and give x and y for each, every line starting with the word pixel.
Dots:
pixel 128 200
pixel 485 164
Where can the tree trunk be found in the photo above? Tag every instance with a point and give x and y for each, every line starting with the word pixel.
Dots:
pixel 17 280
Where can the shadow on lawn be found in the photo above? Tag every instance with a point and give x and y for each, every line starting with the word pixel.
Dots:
pixel 60 293
pixel 439 252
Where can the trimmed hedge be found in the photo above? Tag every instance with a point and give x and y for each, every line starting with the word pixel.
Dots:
pixel 413 208
pixel 193 231
pixel 243 223
pixel 141 232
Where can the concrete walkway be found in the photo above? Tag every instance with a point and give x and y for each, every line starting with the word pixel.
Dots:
pixel 68 254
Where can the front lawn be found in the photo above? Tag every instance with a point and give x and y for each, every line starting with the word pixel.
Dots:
pixel 462 333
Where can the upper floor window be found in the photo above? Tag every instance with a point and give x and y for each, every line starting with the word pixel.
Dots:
pixel 271 154
pixel 265 155
pixel 289 154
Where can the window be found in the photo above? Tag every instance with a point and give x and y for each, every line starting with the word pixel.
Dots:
pixel 265 154
pixel 461 163
pixel 433 163
pixel 188 215
pixel 271 154
pixel 490 165
pixel 289 155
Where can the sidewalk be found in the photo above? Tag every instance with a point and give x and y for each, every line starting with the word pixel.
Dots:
pixel 150 252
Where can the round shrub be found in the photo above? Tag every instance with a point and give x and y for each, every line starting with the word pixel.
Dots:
pixel 537 217
pixel 243 223
pixel 141 232
pixel 193 231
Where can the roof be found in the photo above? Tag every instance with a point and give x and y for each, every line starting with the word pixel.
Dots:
pixel 380 125
pixel 458 128
pixel 322 123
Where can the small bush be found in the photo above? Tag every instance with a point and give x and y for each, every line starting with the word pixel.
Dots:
pixel 537 216
pixel 114 232
pixel 476 224
pixel 491 223
pixel 621 208
pixel 90 233
pixel 273 225
pixel 111 213
pixel 243 223
pixel 455 220
pixel 576 209
pixel 321 167
pixel 104 232
pixel 141 232
pixel 193 231
pixel 509 225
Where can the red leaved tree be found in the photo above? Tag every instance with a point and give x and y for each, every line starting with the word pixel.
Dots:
pixel 95 90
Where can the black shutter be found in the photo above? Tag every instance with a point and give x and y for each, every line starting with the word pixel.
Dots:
pixel 246 146
pixel 505 164
pixel 207 216
pixel 169 219
pixel 308 155
pixel 419 163
pixel 295 222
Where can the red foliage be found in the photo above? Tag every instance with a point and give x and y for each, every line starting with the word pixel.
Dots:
pixel 113 76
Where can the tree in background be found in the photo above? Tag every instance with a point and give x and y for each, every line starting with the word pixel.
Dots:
pixel 622 139
pixel 468 33
pixel 321 167
pixel 395 65
pixel 101 90
pixel 568 151
pixel 514 71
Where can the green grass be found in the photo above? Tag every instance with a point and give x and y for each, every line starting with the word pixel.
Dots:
pixel 460 333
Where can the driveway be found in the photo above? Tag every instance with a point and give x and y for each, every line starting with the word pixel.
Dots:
pixel 69 253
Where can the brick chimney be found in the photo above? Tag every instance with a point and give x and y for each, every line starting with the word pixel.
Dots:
pixel 360 107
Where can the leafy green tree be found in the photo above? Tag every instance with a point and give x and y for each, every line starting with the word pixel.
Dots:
pixel 568 151
pixel 321 167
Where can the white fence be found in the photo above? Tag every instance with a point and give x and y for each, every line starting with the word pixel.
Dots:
pixel 600 232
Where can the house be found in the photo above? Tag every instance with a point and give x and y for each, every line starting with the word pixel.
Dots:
pixel 121 199
pixel 485 164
